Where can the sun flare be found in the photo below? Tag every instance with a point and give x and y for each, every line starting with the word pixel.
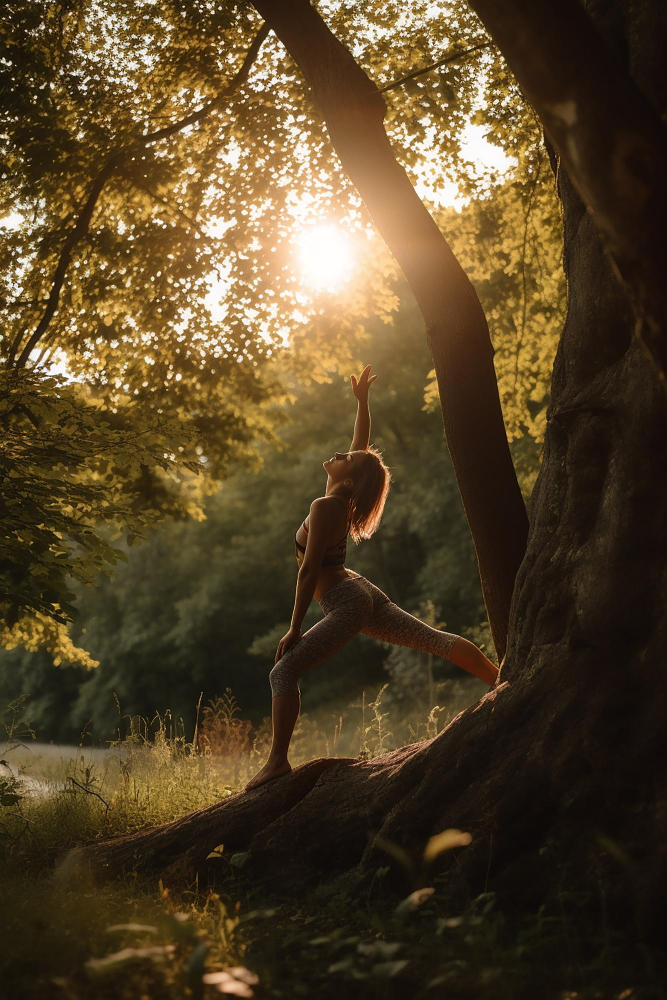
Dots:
pixel 326 259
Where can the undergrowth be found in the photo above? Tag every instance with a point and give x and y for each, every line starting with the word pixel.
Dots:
pixel 137 939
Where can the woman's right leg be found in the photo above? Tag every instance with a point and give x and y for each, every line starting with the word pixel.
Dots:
pixel 344 618
pixel 391 624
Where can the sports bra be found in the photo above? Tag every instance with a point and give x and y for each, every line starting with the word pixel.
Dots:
pixel 334 555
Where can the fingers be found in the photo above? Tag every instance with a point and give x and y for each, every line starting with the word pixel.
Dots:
pixel 365 377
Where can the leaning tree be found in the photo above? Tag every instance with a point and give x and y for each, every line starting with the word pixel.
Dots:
pixel 554 772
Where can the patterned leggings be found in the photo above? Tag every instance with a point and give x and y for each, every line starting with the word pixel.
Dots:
pixel 352 606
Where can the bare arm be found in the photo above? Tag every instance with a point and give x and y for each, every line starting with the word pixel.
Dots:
pixel 362 424
pixel 319 530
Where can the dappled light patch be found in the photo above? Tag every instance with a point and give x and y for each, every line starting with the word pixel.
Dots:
pixel 236 981
pixel 445 841
pixel 111 963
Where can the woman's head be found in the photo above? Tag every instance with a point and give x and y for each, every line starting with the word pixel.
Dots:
pixel 364 478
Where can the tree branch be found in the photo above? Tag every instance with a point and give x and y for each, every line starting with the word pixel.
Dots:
pixel 441 62
pixel 172 209
pixel 111 166
pixel 75 234
pixel 231 87
pixel 524 291
pixel 89 791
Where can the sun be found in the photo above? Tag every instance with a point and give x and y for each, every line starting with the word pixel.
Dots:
pixel 326 260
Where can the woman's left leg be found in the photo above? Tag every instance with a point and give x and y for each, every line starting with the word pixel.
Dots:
pixel 391 624
pixel 346 611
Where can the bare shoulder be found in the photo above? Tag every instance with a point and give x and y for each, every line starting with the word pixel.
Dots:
pixel 324 505
pixel 327 510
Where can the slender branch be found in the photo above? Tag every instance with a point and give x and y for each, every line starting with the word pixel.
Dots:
pixel 440 62
pixel 89 791
pixel 18 836
pixel 41 356
pixel 11 354
pixel 231 87
pixel 163 201
pixel 75 234
pixel 35 421
pixel 524 309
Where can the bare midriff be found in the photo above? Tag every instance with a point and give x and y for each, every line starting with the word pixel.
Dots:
pixel 328 576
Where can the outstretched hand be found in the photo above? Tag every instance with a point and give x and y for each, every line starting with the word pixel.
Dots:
pixel 361 385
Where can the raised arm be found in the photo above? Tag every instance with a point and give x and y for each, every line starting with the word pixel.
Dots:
pixel 362 424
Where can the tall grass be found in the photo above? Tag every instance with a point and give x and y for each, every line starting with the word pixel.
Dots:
pixel 135 939
pixel 154 772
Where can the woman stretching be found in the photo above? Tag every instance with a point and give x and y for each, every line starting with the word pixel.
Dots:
pixel 357 486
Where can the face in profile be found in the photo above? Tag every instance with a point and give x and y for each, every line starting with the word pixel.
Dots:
pixel 341 466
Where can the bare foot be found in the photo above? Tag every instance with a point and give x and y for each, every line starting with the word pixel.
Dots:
pixel 270 771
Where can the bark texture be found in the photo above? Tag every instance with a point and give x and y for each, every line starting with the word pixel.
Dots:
pixel 456 327
pixel 608 133
pixel 557 772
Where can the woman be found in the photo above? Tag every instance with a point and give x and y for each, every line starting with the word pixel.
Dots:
pixel 357 485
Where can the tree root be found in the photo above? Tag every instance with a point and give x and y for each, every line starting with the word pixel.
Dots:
pixel 179 848
pixel 513 771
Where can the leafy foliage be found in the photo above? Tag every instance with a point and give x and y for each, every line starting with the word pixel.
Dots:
pixel 159 165
pixel 69 468
pixel 201 604
pixel 509 246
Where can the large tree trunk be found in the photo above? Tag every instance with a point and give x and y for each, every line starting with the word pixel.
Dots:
pixel 456 327
pixel 557 772
pixel 609 136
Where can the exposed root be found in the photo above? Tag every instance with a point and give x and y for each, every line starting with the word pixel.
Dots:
pixel 180 847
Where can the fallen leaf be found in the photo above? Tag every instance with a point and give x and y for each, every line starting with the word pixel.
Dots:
pixel 445 841
pixel 135 928
pixel 156 953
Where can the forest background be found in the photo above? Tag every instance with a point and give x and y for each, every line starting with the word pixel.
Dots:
pixel 187 318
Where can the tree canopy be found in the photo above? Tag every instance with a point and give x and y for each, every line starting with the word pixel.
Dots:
pixel 160 164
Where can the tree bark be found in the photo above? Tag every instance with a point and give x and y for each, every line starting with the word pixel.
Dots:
pixel 557 772
pixel 456 326
pixel 610 138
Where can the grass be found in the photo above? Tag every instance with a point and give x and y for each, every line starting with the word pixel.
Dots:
pixel 137 939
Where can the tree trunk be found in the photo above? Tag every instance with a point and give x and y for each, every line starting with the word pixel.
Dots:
pixel 456 326
pixel 608 134
pixel 556 772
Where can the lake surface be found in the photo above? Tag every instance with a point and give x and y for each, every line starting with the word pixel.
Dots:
pixel 43 767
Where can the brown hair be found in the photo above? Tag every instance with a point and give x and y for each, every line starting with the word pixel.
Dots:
pixel 368 496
